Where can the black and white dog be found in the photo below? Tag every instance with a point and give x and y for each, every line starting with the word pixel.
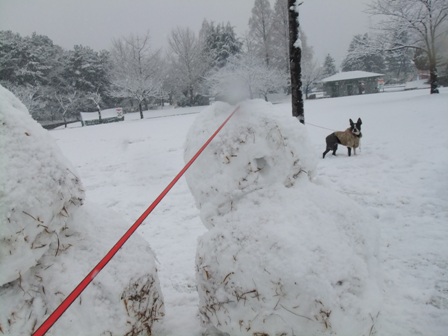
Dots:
pixel 349 138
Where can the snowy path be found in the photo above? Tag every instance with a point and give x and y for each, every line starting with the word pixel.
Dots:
pixel 399 177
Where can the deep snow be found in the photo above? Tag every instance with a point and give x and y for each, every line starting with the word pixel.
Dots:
pixel 398 177
pixel 50 239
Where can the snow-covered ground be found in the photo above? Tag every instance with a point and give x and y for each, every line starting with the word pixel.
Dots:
pixel 399 176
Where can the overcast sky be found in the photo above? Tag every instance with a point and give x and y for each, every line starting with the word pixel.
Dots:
pixel 328 24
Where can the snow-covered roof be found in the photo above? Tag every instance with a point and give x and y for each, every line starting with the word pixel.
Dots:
pixel 350 75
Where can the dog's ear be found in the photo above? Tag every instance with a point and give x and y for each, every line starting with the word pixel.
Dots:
pixel 351 122
pixel 359 122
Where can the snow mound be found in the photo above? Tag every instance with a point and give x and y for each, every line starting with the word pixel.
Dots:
pixel 258 149
pixel 266 267
pixel 38 189
pixel 50 240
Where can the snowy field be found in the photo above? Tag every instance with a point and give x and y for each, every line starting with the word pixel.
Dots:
pixel 398 176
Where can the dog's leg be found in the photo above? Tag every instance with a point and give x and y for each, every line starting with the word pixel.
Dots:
pixel 349 151
pixel 335 147
pixel 330 140
pixel 354 151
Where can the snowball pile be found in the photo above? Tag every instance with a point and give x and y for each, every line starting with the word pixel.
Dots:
pixel 283 254
pixel 50 238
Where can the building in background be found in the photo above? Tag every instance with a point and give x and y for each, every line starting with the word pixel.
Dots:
pixel 352 83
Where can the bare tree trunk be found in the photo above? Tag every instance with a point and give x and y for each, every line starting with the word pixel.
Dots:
pixel 140 109
pixel 191 96
pixel 433 74
pixel 433 80
pixel 295 56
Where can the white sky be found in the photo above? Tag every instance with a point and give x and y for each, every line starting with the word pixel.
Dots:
pixel 329 24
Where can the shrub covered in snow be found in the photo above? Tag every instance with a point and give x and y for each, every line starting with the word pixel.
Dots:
pixel 50 239
pixel 283 255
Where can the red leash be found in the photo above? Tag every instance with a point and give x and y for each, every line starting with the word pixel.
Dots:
pixel 42 330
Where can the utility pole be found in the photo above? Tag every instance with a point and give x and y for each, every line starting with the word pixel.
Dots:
pixel 295 56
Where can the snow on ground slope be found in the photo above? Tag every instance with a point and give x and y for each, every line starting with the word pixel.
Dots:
pixel 50 239
pixel 399 177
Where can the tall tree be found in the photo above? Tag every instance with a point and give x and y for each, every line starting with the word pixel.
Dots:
pixel 311 70
pixel 27 60
pixel 329 67
pixel 295 57
pixel 136 69
pixel 189 62
pixel 424 20
pixel 363 54
pixel 87 70
pixel 280 36
pixel 399 63
pixel 260 28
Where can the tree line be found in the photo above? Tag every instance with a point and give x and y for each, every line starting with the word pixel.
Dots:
pixel 57 84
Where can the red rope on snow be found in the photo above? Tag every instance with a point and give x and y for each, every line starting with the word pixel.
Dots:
pixel 51 320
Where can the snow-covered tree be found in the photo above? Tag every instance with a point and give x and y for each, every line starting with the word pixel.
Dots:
pixel 136 70
pixel 400 63
pixel 67 102
pixel 329 67
pixel 363 54
pixel 260 29
pixel 311 74
pixel 28 60
pixel 96 100
pixel 245 76
pixel 189 63
pixel 280 36
pixel 86 70
pixel 219 42
pixel 425 21
pixel 311 70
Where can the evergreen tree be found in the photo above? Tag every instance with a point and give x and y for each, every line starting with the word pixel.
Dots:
pixel 329 68
pixel 28 60
pixel 219 43
pixel 363 55
pixel 87 70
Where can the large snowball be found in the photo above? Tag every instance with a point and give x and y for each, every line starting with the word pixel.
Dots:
pixel 49 241
pixel 283 256
pixel 255 150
